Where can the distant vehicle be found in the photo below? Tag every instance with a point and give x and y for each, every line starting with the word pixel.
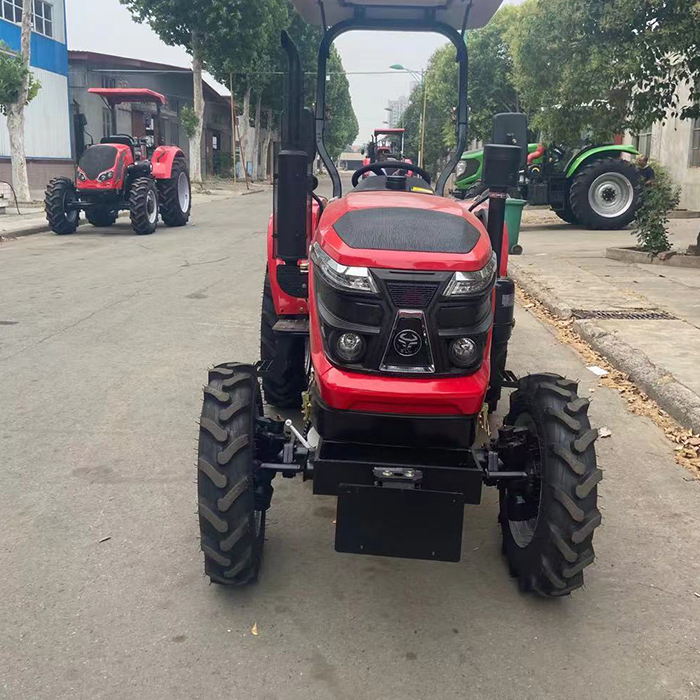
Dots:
pixel 386 144
pixel 594 187
pixel 122 172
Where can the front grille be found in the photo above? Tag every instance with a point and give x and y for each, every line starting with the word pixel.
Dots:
pixel 412 295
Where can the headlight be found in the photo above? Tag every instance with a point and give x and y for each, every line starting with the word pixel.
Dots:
pixel 461 168
pixel 464 283
pixel 106 176
pixel 81 175
pixel 353 279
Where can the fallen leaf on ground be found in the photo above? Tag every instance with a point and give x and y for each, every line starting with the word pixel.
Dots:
pixel 255 630
pixel 604 432
pixel 104 539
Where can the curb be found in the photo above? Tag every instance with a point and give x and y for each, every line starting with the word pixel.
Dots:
pixel 630 255
pixel 671 395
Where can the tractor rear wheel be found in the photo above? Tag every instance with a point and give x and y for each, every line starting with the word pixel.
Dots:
pixel 176 195
pixel 287 379
pixel 60 192
pixel 102 216
pixel 143 206
pixel 548 520
pixel 232 503
pixel 604 194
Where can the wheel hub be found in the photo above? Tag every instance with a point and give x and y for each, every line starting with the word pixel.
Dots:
pixel 183 192
pixel 611 195
pixel 151 206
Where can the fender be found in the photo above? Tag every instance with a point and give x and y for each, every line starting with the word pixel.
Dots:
pixel 598 151
pixel 162 160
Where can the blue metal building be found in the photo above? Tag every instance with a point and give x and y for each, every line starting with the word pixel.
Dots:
pixel 48 128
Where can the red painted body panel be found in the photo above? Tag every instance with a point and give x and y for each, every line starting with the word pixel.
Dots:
pixel 123 159
pixel 162 160
pixel 286 305
pixel 393 259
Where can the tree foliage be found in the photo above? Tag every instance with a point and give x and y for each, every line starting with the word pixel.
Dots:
pixel 189 120
pixel 658 197
pixel 604 67
pixel 14 70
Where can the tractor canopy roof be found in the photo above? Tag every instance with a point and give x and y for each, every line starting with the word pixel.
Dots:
pixel 389 132
pixel 116 96
pixel 454 13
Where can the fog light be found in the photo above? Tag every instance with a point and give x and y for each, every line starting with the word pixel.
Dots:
pixel 464 352
pixel 350 347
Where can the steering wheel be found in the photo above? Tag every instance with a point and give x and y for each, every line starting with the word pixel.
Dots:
pixel 378 169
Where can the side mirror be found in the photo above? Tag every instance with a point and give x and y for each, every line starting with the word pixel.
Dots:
pixel 501 166
pixel 510 129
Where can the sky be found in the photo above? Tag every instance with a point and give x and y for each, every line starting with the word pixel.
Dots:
pixel 110 29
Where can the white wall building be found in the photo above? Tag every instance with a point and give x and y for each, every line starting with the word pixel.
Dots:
pixel 48 130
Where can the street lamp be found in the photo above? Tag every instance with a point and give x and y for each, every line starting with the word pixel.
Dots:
pixel 423 79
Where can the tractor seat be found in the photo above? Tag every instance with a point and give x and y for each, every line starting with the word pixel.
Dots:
pixel 123 139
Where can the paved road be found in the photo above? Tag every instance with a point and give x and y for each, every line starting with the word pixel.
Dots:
pixel 104 342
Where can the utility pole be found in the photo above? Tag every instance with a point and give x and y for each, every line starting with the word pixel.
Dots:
pixel 233 131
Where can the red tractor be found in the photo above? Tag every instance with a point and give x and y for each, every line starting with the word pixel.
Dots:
pixel 122 172
pixel 386 318
pixel 386 144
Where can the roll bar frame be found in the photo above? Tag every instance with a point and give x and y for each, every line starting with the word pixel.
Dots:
pixel 360 23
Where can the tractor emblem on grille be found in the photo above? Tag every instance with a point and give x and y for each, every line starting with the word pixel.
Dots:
pixel 408 343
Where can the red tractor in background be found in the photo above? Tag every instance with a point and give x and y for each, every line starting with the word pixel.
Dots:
pixel 386 317
pixel 386 144
pixel 121 172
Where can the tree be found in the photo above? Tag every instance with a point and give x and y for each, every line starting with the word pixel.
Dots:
pixel 605 67
pixel 18 88
pixel 190 24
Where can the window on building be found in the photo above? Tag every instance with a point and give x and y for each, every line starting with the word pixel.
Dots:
pixel 108 82
pixel 43 18
pixel 12 10
pixel 695 144
pixel 642 142
pixel 106 121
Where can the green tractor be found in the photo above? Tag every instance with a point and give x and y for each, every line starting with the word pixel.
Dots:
pixel 594 188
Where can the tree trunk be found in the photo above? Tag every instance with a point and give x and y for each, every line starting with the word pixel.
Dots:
pixel 244 130
pixel 196 140
pixel 266 146
pixel 15 115
pixel 255 153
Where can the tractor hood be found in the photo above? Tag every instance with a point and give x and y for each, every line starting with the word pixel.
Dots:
pixel 403 231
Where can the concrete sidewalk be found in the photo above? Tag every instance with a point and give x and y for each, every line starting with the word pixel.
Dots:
pixel 33 219
pixel 644 319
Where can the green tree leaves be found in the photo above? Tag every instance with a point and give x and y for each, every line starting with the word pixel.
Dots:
pixel 13 72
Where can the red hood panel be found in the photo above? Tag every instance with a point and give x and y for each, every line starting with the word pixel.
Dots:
pixel 331 242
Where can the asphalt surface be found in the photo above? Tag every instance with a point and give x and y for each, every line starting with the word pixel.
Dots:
pixel 105 338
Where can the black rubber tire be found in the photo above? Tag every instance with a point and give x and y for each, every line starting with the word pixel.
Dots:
pixel 141 222
pixel 552 563
pixel 60 222
pixel 232 531
pixel 102 216
pixel 170 209
pixel 287 379
pixel 459 194
pixel 567 215
pixel 476 190
pixel 578 195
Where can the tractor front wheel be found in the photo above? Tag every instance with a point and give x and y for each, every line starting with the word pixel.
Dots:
pixel 604 194
pixel 232 501
pixel 548 519
pixel 102 216
pixel 176 195
pixel 143 206
pixel 287 379
pixel 59 193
